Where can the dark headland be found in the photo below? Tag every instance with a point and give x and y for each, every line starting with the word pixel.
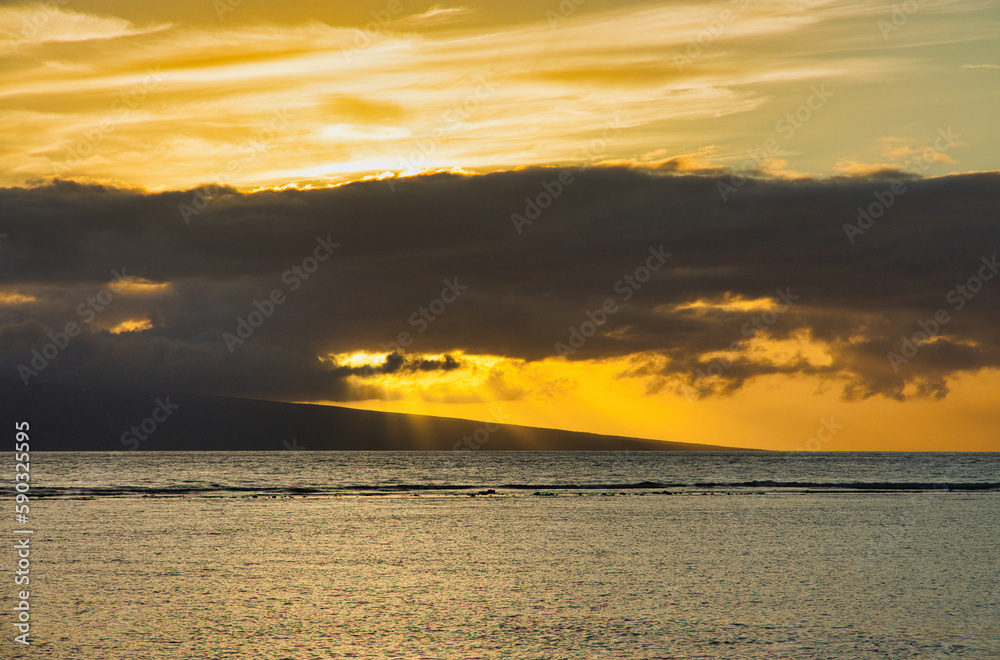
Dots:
pixel 71 418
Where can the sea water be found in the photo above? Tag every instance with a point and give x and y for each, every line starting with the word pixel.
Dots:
pixel 522 555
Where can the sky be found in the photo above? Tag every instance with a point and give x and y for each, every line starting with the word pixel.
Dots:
pixel 751 223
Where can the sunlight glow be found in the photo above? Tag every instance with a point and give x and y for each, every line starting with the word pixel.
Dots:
pixel 131 326
pixel 728 303
pixel 15 298
pixel 138 286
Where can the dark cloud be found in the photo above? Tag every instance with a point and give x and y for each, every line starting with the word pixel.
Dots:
pixel 396 362
pixel 436 264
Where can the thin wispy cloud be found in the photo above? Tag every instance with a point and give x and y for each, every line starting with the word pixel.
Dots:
pixel 433 17
pixel 39 24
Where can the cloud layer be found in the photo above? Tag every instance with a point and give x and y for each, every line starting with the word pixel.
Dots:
pixel 695 289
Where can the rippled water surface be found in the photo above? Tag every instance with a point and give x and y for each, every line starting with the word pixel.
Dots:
pixel 607 555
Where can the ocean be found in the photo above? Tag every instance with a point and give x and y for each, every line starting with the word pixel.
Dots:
pixel 514 555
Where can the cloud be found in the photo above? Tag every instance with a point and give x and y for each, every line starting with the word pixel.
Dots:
pixel 488 93
pixel 524 293
pixel 395 362
pixel 40 23
pixel 898 155
pixel 433 17
pixel 851 167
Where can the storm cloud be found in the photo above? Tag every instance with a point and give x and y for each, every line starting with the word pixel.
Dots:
pixel 513 264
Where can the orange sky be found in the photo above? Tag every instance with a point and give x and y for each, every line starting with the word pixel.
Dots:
pixel 776 412
pixel 305 95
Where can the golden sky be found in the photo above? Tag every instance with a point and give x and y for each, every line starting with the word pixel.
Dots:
pixel 152 99
pixel 271 94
